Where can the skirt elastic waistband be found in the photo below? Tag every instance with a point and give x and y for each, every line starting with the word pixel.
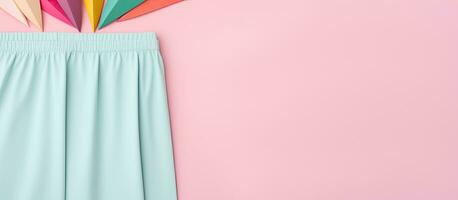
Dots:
pixel 71 42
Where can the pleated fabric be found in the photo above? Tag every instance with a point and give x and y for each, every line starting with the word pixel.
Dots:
pixel 84 117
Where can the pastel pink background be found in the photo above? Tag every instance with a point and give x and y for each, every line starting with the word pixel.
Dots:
pixel 308 99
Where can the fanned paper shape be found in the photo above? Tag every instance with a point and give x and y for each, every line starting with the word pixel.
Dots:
pixel 94 9
pixel 9 6
pixel 116 8
pixel 32 10
pixel 53 8
pixel 72 9
pixel 147 7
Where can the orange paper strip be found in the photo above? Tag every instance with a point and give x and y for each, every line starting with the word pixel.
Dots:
pixel 147 7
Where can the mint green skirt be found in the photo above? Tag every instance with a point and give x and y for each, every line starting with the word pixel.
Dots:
pixel 84 117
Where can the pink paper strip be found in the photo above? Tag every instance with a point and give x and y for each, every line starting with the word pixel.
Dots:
pixel 53 8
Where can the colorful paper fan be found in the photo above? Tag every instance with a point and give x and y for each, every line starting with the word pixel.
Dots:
pixel 69 11
pixel 32 10
pixel 9 6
